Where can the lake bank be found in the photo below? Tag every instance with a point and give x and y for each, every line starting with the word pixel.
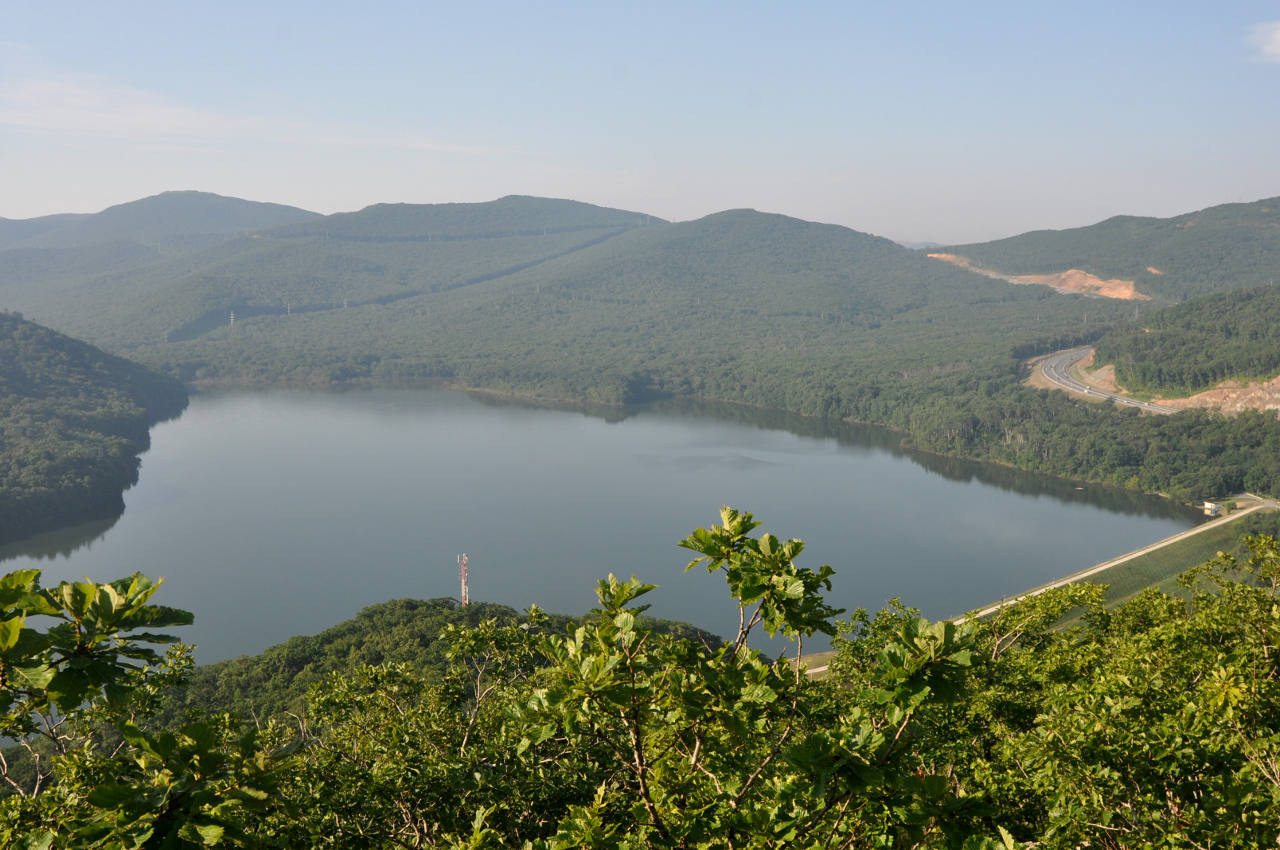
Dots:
pixel 280 513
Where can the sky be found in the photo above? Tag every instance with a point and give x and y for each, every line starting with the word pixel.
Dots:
pixel 918 121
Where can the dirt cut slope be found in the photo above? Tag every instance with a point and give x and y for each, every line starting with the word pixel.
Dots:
pixel 1072 280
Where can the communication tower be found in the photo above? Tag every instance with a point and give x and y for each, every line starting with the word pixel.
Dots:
pixel 462 579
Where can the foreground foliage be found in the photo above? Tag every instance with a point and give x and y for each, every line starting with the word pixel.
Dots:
pixel 1154 724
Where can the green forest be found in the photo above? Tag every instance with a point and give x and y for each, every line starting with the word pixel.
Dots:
pixel 1232 336
pixel 1150 724
pixel 562 302
pixel 1232 246
pixel 73 420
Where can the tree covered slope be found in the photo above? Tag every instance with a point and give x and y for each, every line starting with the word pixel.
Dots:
pixel 19 230
pixel 72 422
pixel 379 255
pixel 739 306
pixel 1231 246
pixel 401 631
pixel 568 302
pixel 47 265
pixel 1191 347
pixel 165 221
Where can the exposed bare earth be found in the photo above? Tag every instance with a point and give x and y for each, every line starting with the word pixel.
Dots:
pixel 1104 378
pixel 1072 280
pixel 1233 397
pixel 1229 397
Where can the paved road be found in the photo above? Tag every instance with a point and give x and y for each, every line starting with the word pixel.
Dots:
pixel 1261 503
pixel 1115 562
pixel 1057 369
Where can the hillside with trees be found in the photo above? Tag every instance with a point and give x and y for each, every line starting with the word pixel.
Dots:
pixel 1153 724
pixel 1181 350
pixel 1232 246
pixel 18 230
pixel 169 222
pixel 73 420
pixel 408 632
pixel 562 302
pixel 48 265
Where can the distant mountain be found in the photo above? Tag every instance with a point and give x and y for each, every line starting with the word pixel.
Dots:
pixel 738 306
pixel 73 420
pixel 169 220
pixel 46 260
pixel 379 255
pixel 17 230
pixel 513 215
pixel 1233 246
pixel 560 301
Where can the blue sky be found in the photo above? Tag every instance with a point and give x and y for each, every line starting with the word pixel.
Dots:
pixel 917 121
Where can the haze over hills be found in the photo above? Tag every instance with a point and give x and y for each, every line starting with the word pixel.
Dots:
pixel 553 267
pixel 597 305
pixel 166 221
pixel 1232 246
pixel 17 230
pixel 41 259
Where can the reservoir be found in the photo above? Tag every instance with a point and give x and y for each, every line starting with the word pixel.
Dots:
pixel 278 513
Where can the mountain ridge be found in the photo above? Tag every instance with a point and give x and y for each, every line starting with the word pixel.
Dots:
pixel 1218 248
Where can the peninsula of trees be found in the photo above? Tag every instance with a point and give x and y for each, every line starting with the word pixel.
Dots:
pixel 73 420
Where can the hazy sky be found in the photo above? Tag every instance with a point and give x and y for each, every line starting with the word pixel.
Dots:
pixel 918 121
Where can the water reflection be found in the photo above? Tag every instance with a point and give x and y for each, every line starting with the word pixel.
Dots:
pixel 62 543
pixel 857 436
pixel 282 513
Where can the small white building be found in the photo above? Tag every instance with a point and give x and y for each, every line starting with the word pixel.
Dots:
pixel 1212 508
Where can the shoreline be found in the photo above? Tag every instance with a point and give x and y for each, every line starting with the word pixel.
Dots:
pixel 602 408
pixel 1260 504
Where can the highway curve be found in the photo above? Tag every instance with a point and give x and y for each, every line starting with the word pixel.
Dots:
pixel 1057 370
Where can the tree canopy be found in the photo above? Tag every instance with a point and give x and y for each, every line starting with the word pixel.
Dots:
pixel 73 420
pixel 1152 724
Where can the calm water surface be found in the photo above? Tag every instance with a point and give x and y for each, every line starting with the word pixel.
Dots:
pixel 282 513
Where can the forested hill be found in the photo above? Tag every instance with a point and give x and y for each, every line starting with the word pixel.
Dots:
pixel 1231 246
pixel 380 255
pixel 401 631
pixel 170 219
pixel 738 306
pixel 18 230
pixel 560 301
pixel 1192 346
pixel 508 216
pixel 72 422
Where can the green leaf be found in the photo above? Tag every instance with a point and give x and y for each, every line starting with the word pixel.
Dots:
pixel 10 629
pixel 211 833
pixel 111 795
pixel 42 840
pixel 34 676
pixel 759 694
